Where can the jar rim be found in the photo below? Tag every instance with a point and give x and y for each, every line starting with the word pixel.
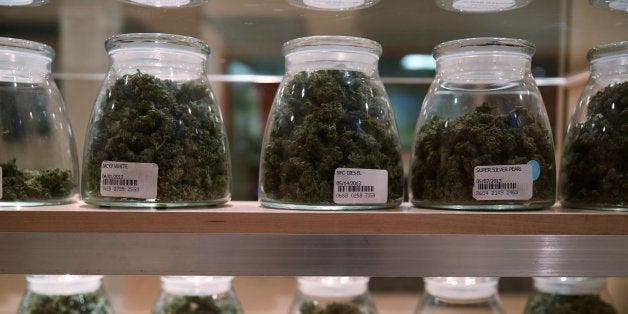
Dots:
pixel 156 40
pixel 493 44
pixel 28 46
pixel 333 43
pixel 619 48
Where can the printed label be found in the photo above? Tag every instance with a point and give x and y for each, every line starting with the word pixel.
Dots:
pixel 128 179
pixel 360 186
pixel 502 182
pixel 0 183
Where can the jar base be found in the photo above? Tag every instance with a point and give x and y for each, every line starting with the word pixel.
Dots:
pixel 134 204
pixel 484 206
pixel 594 206
pixel 36 203
pixel 327 206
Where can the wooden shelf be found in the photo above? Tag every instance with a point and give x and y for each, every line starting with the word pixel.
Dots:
pixel 242 238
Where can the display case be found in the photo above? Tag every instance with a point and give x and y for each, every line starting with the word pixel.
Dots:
pixel 241 238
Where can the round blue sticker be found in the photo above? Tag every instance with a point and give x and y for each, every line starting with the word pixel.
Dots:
pixel 536 169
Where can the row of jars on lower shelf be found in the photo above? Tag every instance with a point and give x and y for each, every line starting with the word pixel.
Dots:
pixel 156 137
pixel 68 294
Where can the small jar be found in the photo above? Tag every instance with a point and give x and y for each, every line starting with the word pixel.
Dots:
pixel 460 295
pixel 593 169
pixel 483 139
pixel 65 294
pixel 331 142
pixel 156 137
pixel 197 294
pixel 567 295
pixel 38 160
pixel 330 295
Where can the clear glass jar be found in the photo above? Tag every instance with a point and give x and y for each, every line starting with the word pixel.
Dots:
pixel 460 295
pixel 197 295
pixel 593 169
pixel 483 139
pixel 38 160
pixel 331 142
pixel 65 294
pixel 568 295
pixel 330 295
pixel 156 137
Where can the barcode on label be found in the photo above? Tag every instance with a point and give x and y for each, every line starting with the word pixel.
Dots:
pixel 123 182
pixel 497 186
pixel 357 188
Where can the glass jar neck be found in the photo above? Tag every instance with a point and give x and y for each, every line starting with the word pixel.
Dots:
pixel 63 284
pixel 196 285
pixel 346 60
pixel 165 63
pixel 610 69
pixel 333 287
pixel 23 67
pixel 483 68
pixel 462 289
pixel 569 285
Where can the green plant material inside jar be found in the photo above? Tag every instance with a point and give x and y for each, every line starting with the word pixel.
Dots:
pixel 447 151
pixel 25 185
pixel 195 305
pixel 545 303
pixel 328 119
pixel 332 308
pixel 148 120
pixel 89 303
pixel 594 168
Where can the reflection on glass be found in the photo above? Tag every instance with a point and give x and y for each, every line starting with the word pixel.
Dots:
pixel 19 3
pixel 166 3
pixel 334 5
pixel 620 5
pixel 481 6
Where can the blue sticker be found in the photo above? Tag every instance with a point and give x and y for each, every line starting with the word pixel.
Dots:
pixel 536 169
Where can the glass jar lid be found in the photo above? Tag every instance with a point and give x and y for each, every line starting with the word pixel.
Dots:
pixel 461 288
pixel 333 287
pixel 334 5
pixel 196 285
pixel 166 3
pixel 63 284
pixel 22 3
pixel 484 45
pixel 332 44
pixel 608 50
pixel 14 45
pixel 156 40
pixel 569 285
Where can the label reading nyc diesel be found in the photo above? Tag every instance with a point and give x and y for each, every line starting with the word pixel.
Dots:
pixel 128 179
pixel 360 186
pixel 502 182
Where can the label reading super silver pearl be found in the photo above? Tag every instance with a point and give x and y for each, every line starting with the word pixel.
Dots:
pixel 128 179
pixel 360 186
pixel 502 182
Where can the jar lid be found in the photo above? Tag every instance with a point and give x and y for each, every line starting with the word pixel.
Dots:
pixel 333 287
pixel 16 3
pixel 334 5
pixel 63 284
pixel 617 49
pixel 166 3
pixel 569 285
pixel 461 288
pixel 156 40
pixel 196 285
pixel 332 44
pixel 26 46
pixel 484 45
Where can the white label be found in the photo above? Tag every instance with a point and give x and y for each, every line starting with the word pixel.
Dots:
pixel 502 182
pixel 128 179
pixel 0 183
pixel 360 186
pixel 333 4
pixel 483 5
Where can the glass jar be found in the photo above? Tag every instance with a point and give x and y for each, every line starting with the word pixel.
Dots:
pixel 460 295
pixel 331 142
pixel 330 295
pixel 593 169
pixel 156 137
pixel 483 139
pixel 567 295
pixel 65 294
pixel 38 160
pixel 197 294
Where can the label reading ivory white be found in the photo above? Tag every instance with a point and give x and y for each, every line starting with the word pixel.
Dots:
pixel 360 186
pixel 128 179
pixel 502 182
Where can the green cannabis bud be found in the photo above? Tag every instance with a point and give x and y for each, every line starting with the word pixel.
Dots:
pixel 447 151
pixel 593 167
pixel 323 120
pixel 145 119
pixel 89 303
pixel 545 303
pixel 194 305
pixel 332 308
pixel 26 185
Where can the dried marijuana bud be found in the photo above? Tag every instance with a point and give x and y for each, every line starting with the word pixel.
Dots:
pixel 148 120
pixel 447 151
pixel 593 167
pixel 324 120
pixel 332 308
pixel 194 305
pixel 545 303
pixel 25 185
pixel 89 303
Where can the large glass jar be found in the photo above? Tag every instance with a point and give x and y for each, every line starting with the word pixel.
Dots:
pixel 331 141
pixel 65 294
pixel 197 295
pixel 330 295
pixel 38 160
pixel 568 295
pixel 593 169
pixel 460 295
pixel 156 137
pixel 483 139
